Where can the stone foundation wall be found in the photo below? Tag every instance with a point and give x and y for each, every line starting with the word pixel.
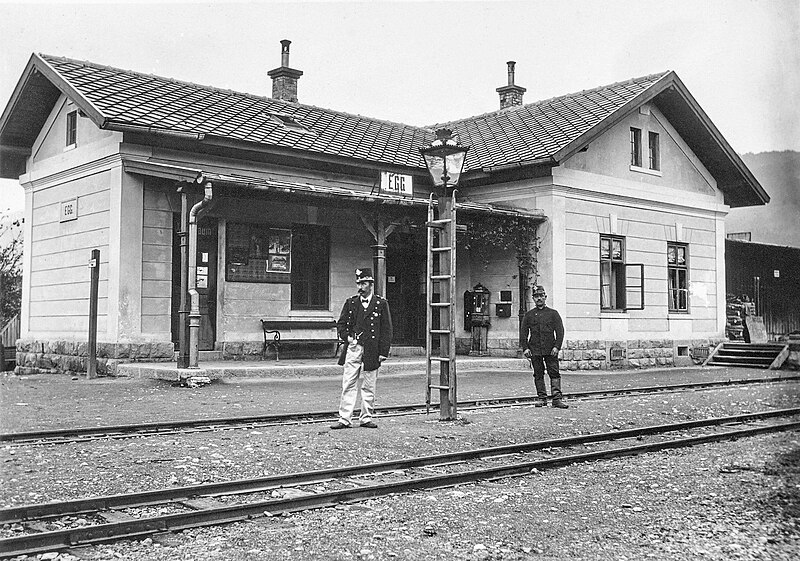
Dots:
pixel 609 355
pixel 250 350
pixel 494 347
pixel 70 357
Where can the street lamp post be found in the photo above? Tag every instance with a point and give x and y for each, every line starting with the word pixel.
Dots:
pixel 444 158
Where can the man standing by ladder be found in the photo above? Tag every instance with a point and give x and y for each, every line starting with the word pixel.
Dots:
pixel 544 331
pixel 365 324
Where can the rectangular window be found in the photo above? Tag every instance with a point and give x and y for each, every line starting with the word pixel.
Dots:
pixel 636 147
pixel 678 277
pixel 72 128
pixel 621 283
pixel 258 253
pixel 311 273
pixel 612 273
pixel 654 151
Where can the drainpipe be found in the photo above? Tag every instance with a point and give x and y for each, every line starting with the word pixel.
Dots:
pixel 183 312
pixel 194 296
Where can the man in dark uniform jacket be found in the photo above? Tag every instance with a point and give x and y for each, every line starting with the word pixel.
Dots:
pixel 545 333
pixel 366 325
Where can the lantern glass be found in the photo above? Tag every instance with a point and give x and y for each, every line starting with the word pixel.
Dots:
pixel 444 158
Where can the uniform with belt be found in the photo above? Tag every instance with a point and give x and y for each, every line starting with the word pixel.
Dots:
pixel 366 325
pixel 545 333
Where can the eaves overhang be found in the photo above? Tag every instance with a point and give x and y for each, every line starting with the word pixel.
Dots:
pixel 312 156
pixel 734 178
pixel 737 183
pixel 31 102
pixel 313 191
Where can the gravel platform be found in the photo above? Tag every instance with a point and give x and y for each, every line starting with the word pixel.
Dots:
pixel 731 500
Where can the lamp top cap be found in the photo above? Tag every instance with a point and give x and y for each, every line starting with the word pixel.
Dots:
pixel 444 137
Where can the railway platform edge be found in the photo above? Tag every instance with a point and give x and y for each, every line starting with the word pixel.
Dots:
pixel 300 368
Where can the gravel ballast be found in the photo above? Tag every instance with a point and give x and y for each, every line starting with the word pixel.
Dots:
pixel 729 500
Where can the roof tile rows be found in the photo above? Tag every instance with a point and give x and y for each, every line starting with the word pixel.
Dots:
pixel 508 136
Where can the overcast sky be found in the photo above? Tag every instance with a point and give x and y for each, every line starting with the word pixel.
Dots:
pixel 427 62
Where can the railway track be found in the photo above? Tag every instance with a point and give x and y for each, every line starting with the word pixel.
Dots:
pixel 46 527
pixel 80 434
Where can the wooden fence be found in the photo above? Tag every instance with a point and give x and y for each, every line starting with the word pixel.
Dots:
pixel 8 343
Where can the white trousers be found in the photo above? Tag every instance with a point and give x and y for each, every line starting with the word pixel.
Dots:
pixel 352 369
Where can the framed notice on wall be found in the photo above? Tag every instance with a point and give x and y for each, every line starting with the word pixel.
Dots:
pixel 69 210
pixel 258 253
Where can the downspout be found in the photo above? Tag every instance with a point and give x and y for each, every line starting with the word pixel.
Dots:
pixel 194 296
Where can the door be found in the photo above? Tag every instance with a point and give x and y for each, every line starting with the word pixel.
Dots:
pixel 405 287
pixel 206 281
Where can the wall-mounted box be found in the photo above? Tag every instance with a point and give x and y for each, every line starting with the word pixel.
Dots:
pixel 503 310
pixel 503 307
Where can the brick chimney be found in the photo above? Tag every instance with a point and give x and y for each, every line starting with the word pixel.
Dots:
pixel 284 79
pixel 510 95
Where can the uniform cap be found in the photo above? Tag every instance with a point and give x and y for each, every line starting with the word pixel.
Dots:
pixel 539 290
pixel 363 275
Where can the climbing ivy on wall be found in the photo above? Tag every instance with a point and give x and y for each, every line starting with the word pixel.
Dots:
pixel 487 234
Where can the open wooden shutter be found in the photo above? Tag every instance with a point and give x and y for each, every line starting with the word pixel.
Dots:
pixel 634 286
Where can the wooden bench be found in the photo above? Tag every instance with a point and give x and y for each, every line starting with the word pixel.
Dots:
pixel 273 339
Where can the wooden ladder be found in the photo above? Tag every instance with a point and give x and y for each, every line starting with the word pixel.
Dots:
pixel 441 275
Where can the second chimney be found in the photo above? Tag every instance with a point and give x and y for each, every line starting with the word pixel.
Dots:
pixel 510 95
pixel 284 79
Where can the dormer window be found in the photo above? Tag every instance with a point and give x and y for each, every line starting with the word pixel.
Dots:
pixel 72 129
pixel 654 151
pixel 653 163
pixel 288 121
pixel 636 147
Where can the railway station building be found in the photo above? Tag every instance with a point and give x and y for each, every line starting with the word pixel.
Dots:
pixel 619 192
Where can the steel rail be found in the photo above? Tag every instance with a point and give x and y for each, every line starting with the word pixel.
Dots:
pixel 161 496
pixel 55 540
pixel 161 428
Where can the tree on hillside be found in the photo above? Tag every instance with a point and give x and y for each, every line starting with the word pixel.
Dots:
pixel 10 268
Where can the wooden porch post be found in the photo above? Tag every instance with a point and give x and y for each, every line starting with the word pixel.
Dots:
pixel 379 230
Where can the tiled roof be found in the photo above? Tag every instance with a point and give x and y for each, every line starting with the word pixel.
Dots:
pixel 540 130
pixel 510 136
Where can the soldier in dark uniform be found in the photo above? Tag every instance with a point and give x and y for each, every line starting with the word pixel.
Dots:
pixel 366 325
pixel 544 331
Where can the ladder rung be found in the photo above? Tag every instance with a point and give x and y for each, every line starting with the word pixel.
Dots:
pixel 441 249
pixel 440 331
pixel 438 223
pixel 440 304
pixel 441 277
pixel 440 358
pixel 439 387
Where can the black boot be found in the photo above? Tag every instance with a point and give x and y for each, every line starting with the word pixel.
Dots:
pixel 555 386
pixel 541 392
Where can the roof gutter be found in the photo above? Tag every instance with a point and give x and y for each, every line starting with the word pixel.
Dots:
pixel 537 162
pixel 140 129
